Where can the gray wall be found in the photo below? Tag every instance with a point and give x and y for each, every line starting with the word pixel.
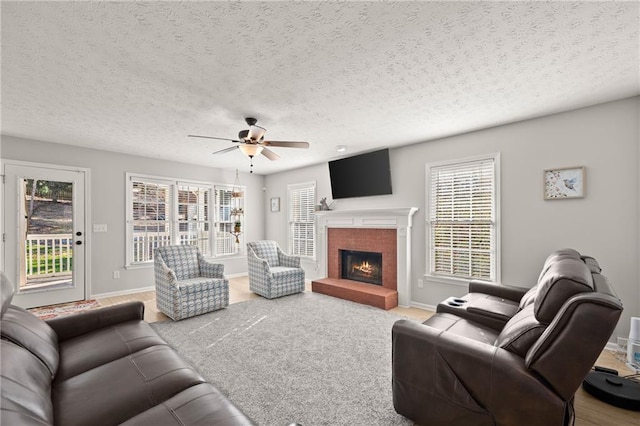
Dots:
pixel 108 196
pixel 605 224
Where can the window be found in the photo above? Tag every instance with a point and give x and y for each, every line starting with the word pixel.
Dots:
pixel 302 227
pixel 462 206
pixel 193 216
pixel 229 210
pixel 162 212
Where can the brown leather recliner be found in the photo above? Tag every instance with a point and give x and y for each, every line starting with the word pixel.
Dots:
pixel 453 371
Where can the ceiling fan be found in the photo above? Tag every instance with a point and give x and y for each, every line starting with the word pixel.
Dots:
pixel 251 142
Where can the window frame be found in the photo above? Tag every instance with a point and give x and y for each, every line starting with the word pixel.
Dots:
pixel 290 220
pixel 239 248
pixel 173 219
pixel 496 223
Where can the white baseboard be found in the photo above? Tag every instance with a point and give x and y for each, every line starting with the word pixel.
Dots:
pixel 612 346
pixel 143 289
pixel 422 306
pixel 123 292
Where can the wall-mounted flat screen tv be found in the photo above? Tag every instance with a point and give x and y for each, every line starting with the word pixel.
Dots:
pixel 361 175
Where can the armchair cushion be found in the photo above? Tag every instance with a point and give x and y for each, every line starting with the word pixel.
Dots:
pixel 267 250
pixel 182 260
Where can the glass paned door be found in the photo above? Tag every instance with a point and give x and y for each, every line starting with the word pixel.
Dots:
pixel 45 247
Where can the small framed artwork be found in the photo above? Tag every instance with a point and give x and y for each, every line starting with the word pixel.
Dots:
pixel 561 184
pixel 275 204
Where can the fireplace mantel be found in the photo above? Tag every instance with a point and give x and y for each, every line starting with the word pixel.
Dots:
pixel 383 217
pixel 399 218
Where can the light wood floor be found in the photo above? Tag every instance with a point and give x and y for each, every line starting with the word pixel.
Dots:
pixel 589 411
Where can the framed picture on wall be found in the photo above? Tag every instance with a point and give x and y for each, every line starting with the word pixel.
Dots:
pixel 275 204
pixel 561 184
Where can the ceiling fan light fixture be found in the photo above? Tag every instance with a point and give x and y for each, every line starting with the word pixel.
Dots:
pixel 251 150
pixel 256 133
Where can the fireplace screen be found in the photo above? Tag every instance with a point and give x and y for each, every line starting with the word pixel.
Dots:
pixel 361 266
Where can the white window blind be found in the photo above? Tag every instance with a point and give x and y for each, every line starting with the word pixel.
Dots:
pixel 462 219
pixel 302 227
pixel 150 224
pixel 193 216
pixel 225 242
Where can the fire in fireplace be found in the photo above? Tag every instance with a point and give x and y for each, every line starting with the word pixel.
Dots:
pixel 361 266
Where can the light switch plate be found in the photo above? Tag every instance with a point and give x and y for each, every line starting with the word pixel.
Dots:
pixel 100 227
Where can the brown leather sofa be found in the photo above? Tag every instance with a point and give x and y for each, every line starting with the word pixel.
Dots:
pixel 102 367
pixel 454 370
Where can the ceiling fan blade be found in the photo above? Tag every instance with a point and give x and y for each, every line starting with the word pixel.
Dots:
pixel 286 144
pixel 270 154
pixel 211 137
pixel 222 151
pixel 256 132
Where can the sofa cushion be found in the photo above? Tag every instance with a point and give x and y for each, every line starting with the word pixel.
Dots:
pixel 27 330
pixel 104 345
pixel 521 332
pixel 566 253
pixel 593 264
pixel 462 327
pixel 528 298
pixel 493 307
pixel 199 405
pixel 123 388
pixel 563 279
pixel 26 387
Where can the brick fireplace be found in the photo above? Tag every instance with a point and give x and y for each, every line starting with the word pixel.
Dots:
pixel 377 231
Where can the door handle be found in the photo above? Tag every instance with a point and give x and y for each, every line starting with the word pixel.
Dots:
pixel 78 243
pixel 78 233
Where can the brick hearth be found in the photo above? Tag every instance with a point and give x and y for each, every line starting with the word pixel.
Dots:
pixel 361 239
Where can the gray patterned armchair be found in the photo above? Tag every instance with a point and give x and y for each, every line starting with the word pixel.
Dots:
pixel 272 273
pixel 186 284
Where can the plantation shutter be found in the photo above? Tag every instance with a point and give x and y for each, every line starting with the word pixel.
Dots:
pixel 302 229
pixel 193 216
pixel 150 225
pixel 462 219
pixel 224 241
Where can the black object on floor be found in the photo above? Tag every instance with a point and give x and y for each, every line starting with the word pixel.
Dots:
pixel 613 389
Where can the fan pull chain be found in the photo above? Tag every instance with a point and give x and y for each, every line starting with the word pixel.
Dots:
pixel 251 162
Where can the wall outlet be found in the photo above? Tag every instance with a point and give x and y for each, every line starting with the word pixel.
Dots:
pixel 420 283
pixel 116 275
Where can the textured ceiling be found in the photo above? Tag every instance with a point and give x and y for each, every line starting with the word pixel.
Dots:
pixel 137 77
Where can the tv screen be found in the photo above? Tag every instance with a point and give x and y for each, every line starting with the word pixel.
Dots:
pixel 361 175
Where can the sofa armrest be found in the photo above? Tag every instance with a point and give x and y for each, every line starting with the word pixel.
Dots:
pixel 86 322
pixel 498 290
